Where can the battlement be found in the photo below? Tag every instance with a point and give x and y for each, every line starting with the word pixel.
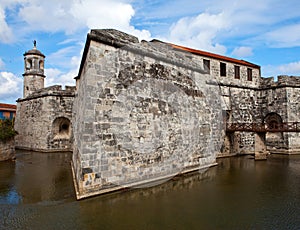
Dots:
pixel 282 81
pixel 112 37
pixel 54 90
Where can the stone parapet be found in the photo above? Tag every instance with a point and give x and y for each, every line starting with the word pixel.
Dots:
pixel 282 81
pixel 112 37
pixel 55 90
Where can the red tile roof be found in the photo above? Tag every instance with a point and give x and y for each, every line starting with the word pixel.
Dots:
pixel 8 107
pixel 215 56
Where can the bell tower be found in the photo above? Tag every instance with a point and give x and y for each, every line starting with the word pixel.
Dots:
pixel 33 71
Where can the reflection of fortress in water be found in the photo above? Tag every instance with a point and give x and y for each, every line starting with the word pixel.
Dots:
pixel 134 106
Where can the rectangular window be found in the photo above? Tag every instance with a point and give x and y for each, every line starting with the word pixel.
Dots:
pixel 236 72
pixel 222 69
pixel 206 65
pixel 249 74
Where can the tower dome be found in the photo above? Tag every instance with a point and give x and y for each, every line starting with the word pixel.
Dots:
pixel 33 70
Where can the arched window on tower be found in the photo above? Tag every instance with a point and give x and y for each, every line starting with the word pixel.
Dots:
pixel 28 64
pixel 41 65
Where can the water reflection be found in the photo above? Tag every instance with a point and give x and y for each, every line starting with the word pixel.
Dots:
pixel 8 192
pixel 36 177
pixel 36 191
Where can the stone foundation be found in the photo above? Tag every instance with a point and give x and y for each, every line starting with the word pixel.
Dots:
pixel 7 150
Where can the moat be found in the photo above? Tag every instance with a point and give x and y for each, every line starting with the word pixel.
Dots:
pixel 36 191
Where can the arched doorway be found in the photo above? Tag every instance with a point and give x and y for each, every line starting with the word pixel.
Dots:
pixel 274 139
pixel 61 137
pixel 61 128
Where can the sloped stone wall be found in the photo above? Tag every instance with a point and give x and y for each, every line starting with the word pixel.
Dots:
pixel 141 115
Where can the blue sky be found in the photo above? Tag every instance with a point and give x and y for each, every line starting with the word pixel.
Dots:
pixel 265 32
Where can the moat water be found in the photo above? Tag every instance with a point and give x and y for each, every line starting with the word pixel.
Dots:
pixel 36 192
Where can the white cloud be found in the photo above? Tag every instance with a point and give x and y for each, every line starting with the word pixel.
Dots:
pixel 243 18
pixel 240 22
pixel 62 57
pixel 2 64
pixel 49 16
pixel 292 69
pixel 10 87
pixel 64 66
pixel 107 14
pixel 287 36
pixel 242 52
pixel 211 25
pixel 103 13
pixel 200 31
pixel 57 77
pixel 52 76
pixel 6 35
pixel 71 16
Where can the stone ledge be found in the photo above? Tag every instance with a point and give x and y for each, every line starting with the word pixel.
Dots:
pixel 43 150
pixel 151 182
pixel 112 37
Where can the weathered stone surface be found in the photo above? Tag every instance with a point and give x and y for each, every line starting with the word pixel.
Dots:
pixel 280 103
pixel 7 150
pixel 151 120
pixel 44 120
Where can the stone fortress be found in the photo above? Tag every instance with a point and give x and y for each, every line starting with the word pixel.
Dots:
pixel 146 111
pixel 44 115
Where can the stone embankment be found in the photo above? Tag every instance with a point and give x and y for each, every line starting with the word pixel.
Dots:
pixel 7 149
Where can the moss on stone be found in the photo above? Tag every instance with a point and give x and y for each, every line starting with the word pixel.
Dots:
pixel 7 130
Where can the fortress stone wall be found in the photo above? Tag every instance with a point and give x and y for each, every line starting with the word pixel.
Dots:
pixel 147 116
pixel 281 98
pixel 145 111
pixel 44 120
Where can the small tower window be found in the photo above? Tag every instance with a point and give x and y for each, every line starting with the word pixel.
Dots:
pixel 249 74
pixel 28 64
pixel 206 65
pixel 41 64
pixel 236 72
pixel 222 69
